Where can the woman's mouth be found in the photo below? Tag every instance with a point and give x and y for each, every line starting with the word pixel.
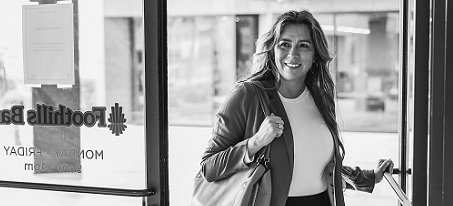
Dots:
pixel 291 65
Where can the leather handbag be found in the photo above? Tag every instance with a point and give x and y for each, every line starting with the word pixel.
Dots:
pixel 248 187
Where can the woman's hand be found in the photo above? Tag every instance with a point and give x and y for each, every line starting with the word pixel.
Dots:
pixel 270 128
pixel 381 167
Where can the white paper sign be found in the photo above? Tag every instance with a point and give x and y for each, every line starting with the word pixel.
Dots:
pixel 48 44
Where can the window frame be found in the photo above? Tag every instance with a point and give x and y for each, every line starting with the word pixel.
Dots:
pixel 433 117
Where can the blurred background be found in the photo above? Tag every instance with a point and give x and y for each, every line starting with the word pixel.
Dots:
pixel 209 47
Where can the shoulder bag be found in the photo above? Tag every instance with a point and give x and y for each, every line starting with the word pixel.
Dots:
pixel 248 187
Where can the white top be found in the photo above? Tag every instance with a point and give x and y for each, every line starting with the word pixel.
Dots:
pixel 313 145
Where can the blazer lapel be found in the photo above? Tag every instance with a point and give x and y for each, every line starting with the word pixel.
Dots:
pixel 279 110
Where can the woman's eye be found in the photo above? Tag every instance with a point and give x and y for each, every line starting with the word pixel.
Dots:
pixel 284 44
pixel 304 45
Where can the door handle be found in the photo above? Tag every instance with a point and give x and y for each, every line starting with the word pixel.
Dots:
pixel 398 171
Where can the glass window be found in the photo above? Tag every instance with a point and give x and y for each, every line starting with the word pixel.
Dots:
pixel 102 140
pixel 201 55
pixel 363 39
pixel 366 65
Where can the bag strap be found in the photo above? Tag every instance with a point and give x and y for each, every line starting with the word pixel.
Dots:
pixel 263 97
pixel 264 156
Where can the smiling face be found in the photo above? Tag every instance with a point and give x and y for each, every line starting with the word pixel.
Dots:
pixel 294 52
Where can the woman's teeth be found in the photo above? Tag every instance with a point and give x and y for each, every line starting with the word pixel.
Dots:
pixel 292 65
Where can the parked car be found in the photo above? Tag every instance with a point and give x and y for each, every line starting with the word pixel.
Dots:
pixel 375 101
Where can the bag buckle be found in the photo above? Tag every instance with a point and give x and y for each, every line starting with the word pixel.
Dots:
pixel 264 161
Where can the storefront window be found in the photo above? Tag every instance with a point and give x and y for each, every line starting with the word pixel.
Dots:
pixel 89 133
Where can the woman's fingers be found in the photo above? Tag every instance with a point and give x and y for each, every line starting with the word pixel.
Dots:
pixel 275 120
pixel 385 165
pixel 279 129
pixel 275 124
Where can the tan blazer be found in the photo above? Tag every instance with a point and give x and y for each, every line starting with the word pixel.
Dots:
pixel 239 118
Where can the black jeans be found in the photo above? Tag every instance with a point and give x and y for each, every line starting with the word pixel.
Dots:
pixel 321 199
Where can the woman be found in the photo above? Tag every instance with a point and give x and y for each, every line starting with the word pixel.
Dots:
pixel 292 63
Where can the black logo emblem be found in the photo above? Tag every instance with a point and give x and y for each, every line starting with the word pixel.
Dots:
pixel 117 120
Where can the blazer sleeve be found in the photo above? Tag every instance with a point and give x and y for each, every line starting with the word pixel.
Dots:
pixel 227 148
pixel 358 179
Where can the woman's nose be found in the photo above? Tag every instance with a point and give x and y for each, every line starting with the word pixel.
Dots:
pixel 293 53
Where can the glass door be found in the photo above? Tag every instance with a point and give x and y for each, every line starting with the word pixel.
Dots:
pixel 205 41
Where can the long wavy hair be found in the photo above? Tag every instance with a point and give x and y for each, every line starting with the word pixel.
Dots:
pixel 318 80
